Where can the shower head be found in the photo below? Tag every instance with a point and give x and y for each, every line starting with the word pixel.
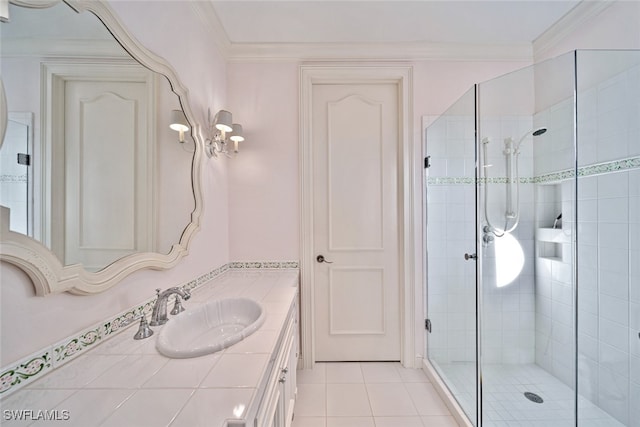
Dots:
pixel 535 132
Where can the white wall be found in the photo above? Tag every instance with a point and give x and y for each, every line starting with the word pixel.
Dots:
pixel 263 179
pixel 29 323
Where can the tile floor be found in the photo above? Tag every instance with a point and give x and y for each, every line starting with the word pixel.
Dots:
pixel 506 406
pixel 368 394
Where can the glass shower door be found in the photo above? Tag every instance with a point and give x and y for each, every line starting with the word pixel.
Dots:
pixel 608 100
pixel 527 139
pixel 450 234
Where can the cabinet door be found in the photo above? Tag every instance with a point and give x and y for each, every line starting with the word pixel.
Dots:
pixel 271 417
pixel 288 377
pixel 276 408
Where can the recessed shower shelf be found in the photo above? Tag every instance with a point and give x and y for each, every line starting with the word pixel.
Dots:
pixel 554 235
pixel 550 242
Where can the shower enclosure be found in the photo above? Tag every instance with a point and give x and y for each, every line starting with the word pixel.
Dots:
pixel 533 244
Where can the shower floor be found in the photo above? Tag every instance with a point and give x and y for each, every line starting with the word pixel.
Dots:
pixel 505 404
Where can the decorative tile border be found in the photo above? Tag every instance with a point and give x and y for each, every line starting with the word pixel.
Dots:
pixel 608 167
pixel 66 350
pixel 472 180
pixel 33 367
pixel 554 177
pixel 584 171
pixel 264 264
pixel 447 180
pixel 13 178
pixel 25 371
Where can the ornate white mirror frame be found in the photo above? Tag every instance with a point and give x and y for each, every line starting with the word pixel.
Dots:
pixel 47 272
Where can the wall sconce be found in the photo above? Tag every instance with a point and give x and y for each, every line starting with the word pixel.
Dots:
pixel 222 131
pixel 179 123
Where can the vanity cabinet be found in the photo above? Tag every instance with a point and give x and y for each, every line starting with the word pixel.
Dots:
pixel 278 400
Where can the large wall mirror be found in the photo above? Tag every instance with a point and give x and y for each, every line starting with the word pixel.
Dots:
pixel 94 183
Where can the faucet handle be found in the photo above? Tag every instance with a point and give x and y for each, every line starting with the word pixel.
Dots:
pixel 177 306
pixel 187 293
pixel 144 331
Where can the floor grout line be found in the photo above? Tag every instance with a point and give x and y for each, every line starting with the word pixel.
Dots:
pixel 368 377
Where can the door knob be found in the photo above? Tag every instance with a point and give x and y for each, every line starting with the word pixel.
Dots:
pixel 470 256
pixel 321 258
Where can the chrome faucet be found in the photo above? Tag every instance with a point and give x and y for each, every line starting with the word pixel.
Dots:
pixel 159 314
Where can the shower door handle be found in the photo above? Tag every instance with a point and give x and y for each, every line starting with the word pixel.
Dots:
pixel 470 256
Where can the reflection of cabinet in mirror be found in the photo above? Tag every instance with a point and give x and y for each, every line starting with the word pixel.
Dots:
pixel 100 127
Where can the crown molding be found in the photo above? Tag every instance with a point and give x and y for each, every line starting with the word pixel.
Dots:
pixel 209 18
pixel 570 22
pixel 354 51
pixel 63 48
pixel 378 51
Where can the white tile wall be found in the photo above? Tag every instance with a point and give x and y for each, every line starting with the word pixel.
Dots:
pixel 608 257
pixel 510 325
pixel 451 233
pixel 13 176
pixel 540 307
pixel 509 311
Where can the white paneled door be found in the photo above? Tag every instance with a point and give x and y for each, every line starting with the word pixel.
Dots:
pixel 355 140
pixel 107 214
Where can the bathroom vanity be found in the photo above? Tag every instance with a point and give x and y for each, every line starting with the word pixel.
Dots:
pixel 127 382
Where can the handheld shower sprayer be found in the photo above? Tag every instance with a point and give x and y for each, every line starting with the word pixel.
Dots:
pixel 512 211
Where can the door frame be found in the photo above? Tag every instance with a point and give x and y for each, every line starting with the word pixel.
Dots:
pixel 54 75
pixel 381 73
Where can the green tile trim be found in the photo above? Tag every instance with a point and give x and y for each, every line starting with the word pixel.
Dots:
pixel 583 171
pixel 75 346
pixel 264 264
pixel 608 167
pixel 25 371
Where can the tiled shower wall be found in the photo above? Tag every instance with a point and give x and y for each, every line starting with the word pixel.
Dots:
pixel 608 247
pixel 533 320
pixel 13 179
pixel 451 233
pixel 555 315
pixel 508 309
pixel 508 332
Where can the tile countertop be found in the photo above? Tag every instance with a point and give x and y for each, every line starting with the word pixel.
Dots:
pixel 123 382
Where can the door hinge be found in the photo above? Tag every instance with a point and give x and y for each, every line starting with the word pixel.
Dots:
pixel 427 324
pixel 427 162
pixel 24 159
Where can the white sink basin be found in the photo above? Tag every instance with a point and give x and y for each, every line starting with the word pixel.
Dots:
pixel 210 327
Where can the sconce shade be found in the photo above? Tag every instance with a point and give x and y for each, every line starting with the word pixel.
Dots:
pixel 222 131
pixel 224 121
pixel 236 133
pixel 178 121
